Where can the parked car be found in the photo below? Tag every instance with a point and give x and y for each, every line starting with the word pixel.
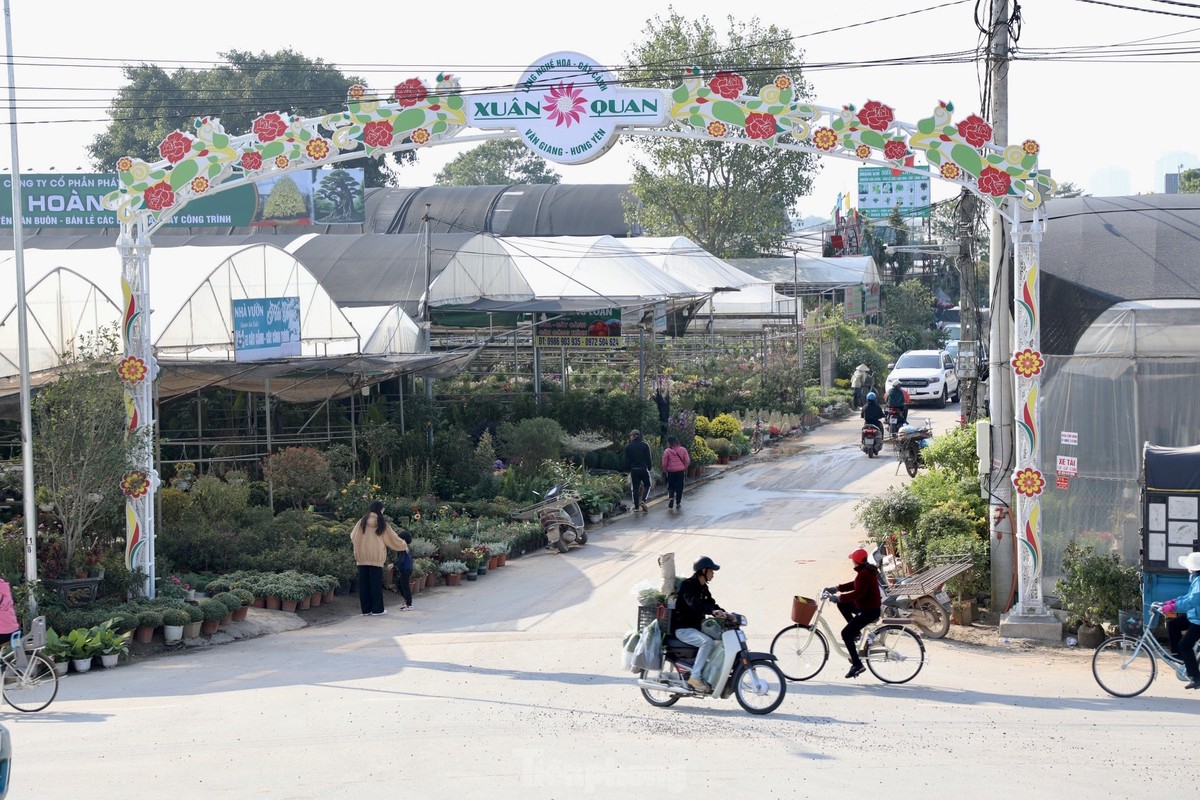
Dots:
pixel 929 376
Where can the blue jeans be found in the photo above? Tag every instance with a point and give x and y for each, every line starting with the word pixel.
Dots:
pixel 700 639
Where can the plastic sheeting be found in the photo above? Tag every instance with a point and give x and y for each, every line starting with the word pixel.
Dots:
pixel 1132 380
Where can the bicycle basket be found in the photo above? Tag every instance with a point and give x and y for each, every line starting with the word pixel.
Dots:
pixel 1130 623
pixel 803 610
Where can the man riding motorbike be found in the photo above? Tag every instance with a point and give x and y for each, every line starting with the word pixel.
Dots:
pixel 872 413
pixel 693 604
pixel 897 399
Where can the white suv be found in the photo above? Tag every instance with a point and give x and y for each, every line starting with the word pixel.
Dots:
pixel 927 375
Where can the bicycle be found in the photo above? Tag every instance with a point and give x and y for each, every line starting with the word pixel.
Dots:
pixel 1125 665
pixel 756 437
pixel 29 680
pixel 893 652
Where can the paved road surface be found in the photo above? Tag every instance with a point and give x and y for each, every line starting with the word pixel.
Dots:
pixel 511 688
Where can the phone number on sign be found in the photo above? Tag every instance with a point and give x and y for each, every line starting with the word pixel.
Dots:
pixel 579 341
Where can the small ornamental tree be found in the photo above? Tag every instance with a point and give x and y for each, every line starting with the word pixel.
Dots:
pixel 300 474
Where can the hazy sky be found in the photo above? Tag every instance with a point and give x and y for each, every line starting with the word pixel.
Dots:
pixel 1109 126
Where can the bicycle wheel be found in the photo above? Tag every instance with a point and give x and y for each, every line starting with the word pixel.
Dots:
pixel 33 688
pixel 895 654
pixel 1122 668
pixel 660 699
pixel 800 652
pixel 759 687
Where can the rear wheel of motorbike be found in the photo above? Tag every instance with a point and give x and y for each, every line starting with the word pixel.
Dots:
pixel 581 536
pixel 800 652
pixel 931 617
pixel 759 687
pixel 561 542
pixel 912 459
pixel 660 699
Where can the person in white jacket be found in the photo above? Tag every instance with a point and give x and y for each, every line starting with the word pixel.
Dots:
pixel 372 537
pixel 857 384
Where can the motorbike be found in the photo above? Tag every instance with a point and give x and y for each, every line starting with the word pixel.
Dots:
pixel 751 676
pixel 891 418
pixel 910 440
pixel 872 439
pixel 560 516
pixel 913 598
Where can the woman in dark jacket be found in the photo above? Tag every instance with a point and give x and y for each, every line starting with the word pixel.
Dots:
pixel 860 607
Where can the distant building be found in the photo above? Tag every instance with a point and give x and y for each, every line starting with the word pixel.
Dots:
pixel 1172 182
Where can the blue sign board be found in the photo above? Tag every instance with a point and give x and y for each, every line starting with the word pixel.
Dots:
pixel 265 328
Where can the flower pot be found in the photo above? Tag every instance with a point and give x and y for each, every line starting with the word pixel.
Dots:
pixel 272 601
pixel 315 599
pixel 61 667
pixel 328 598
pixel 481 569
pixel 241 614
pixel 453 579
pixel 471 575
pixel 228 618
pixel 109 659
pixel 287 605
pixel 722 460
pixel 191 595
pixel 259 602
pixel 192 630
pixel 172 633
pixel 1090 636
pixel 304 604
pixel 492 562
pixel 82 664
pixel 595 519
pixel 144 634
pixel 502 559
pixel 209 627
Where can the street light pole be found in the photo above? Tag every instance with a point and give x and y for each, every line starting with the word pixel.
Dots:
pixel 796 305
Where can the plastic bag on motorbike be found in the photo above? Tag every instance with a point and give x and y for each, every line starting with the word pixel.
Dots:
pixel 711 671
pixel 628 645
pixel 712 629
pixel 647 655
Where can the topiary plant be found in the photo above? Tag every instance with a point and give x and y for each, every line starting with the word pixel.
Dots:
pixel 194 612
pixel 176 617
pixel 213 610
pixel 245 595
pixel 149 618
pixel 230 600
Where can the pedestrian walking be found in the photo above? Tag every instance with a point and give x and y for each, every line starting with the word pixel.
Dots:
pixel 675 461
pixel 856 383
pixel 372 537
pixel 638 460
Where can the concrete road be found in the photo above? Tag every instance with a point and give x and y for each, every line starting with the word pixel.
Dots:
pixel 511 687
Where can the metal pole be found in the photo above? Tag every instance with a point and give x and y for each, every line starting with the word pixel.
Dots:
pixel 28 502
pixel 426 317
pixel 799 348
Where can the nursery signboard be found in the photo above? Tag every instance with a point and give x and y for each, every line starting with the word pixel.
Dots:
pixel 599 328
pixel 266 327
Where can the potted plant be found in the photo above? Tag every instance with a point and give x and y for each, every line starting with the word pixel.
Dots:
pixel 231 602
pixel 722 447
pixel 452 571
pixel 428 568
pixel 329 584
pixel 291 592
pixel 58 650
pixel 247 598
pixel 214 611
pixel 191 628
pixel 148 620
pixel 1094 588
pixel 271 598
pixel 81 648
pixel 174 620
pixel 110 645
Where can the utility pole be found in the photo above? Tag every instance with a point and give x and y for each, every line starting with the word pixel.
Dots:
pixel 1000 378
pixel 968 346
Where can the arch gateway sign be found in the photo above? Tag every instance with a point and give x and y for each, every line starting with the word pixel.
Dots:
pixel 570 110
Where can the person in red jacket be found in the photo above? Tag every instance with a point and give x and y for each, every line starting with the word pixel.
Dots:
pixel 675 461
pixel 860 607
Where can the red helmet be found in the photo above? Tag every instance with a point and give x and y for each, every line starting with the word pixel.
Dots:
pixel 859 556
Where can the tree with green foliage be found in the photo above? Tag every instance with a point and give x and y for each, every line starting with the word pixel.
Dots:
pixel 1189 181
pixel 1069 189
pixel 154 103
pixel 301 475
pixel 734 201
pixel 335 197
pixel 908 315
pixel 497 162
pixel 80 447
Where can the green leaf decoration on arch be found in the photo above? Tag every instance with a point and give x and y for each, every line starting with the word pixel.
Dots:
pixel 183 173
pixel 967 157
pixel 728 112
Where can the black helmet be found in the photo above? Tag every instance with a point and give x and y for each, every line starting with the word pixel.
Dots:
pixel 703 563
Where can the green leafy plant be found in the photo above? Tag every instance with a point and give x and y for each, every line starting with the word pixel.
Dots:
pixel 57 647
pixel 81 643
pixel 194 613
pixel 149 619
pixel 452 567
pixel 228 599
pixel 245 595
pixel 213 610
pixel 176 617
pixel 109 642
pixel 1096 586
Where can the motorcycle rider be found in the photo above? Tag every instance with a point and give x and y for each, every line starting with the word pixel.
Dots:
pixel 860 607
pixel 693 604
pixel 897 399
pixel 872 412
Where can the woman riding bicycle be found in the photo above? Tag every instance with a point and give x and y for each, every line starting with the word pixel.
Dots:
pixel 1184 630
pixel 860 607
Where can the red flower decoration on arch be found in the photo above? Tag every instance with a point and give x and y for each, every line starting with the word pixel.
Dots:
pixel 994 182
pixel 159 196
pixel 175 147
pixel 377 134
pixel 135 484
pixel 760 126
pixel 1029 482
pixel 410 92
pixel 251 161
pixel 975 131
pixel 269 127
pixel 729 85
pixel 896 149
pixel 876 116
pixel 1028 363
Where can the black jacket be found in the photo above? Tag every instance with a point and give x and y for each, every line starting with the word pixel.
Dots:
pixel 873 413
pixel 693 604
pixel 637 455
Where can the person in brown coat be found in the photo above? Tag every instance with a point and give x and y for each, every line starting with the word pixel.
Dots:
pixel 372 537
